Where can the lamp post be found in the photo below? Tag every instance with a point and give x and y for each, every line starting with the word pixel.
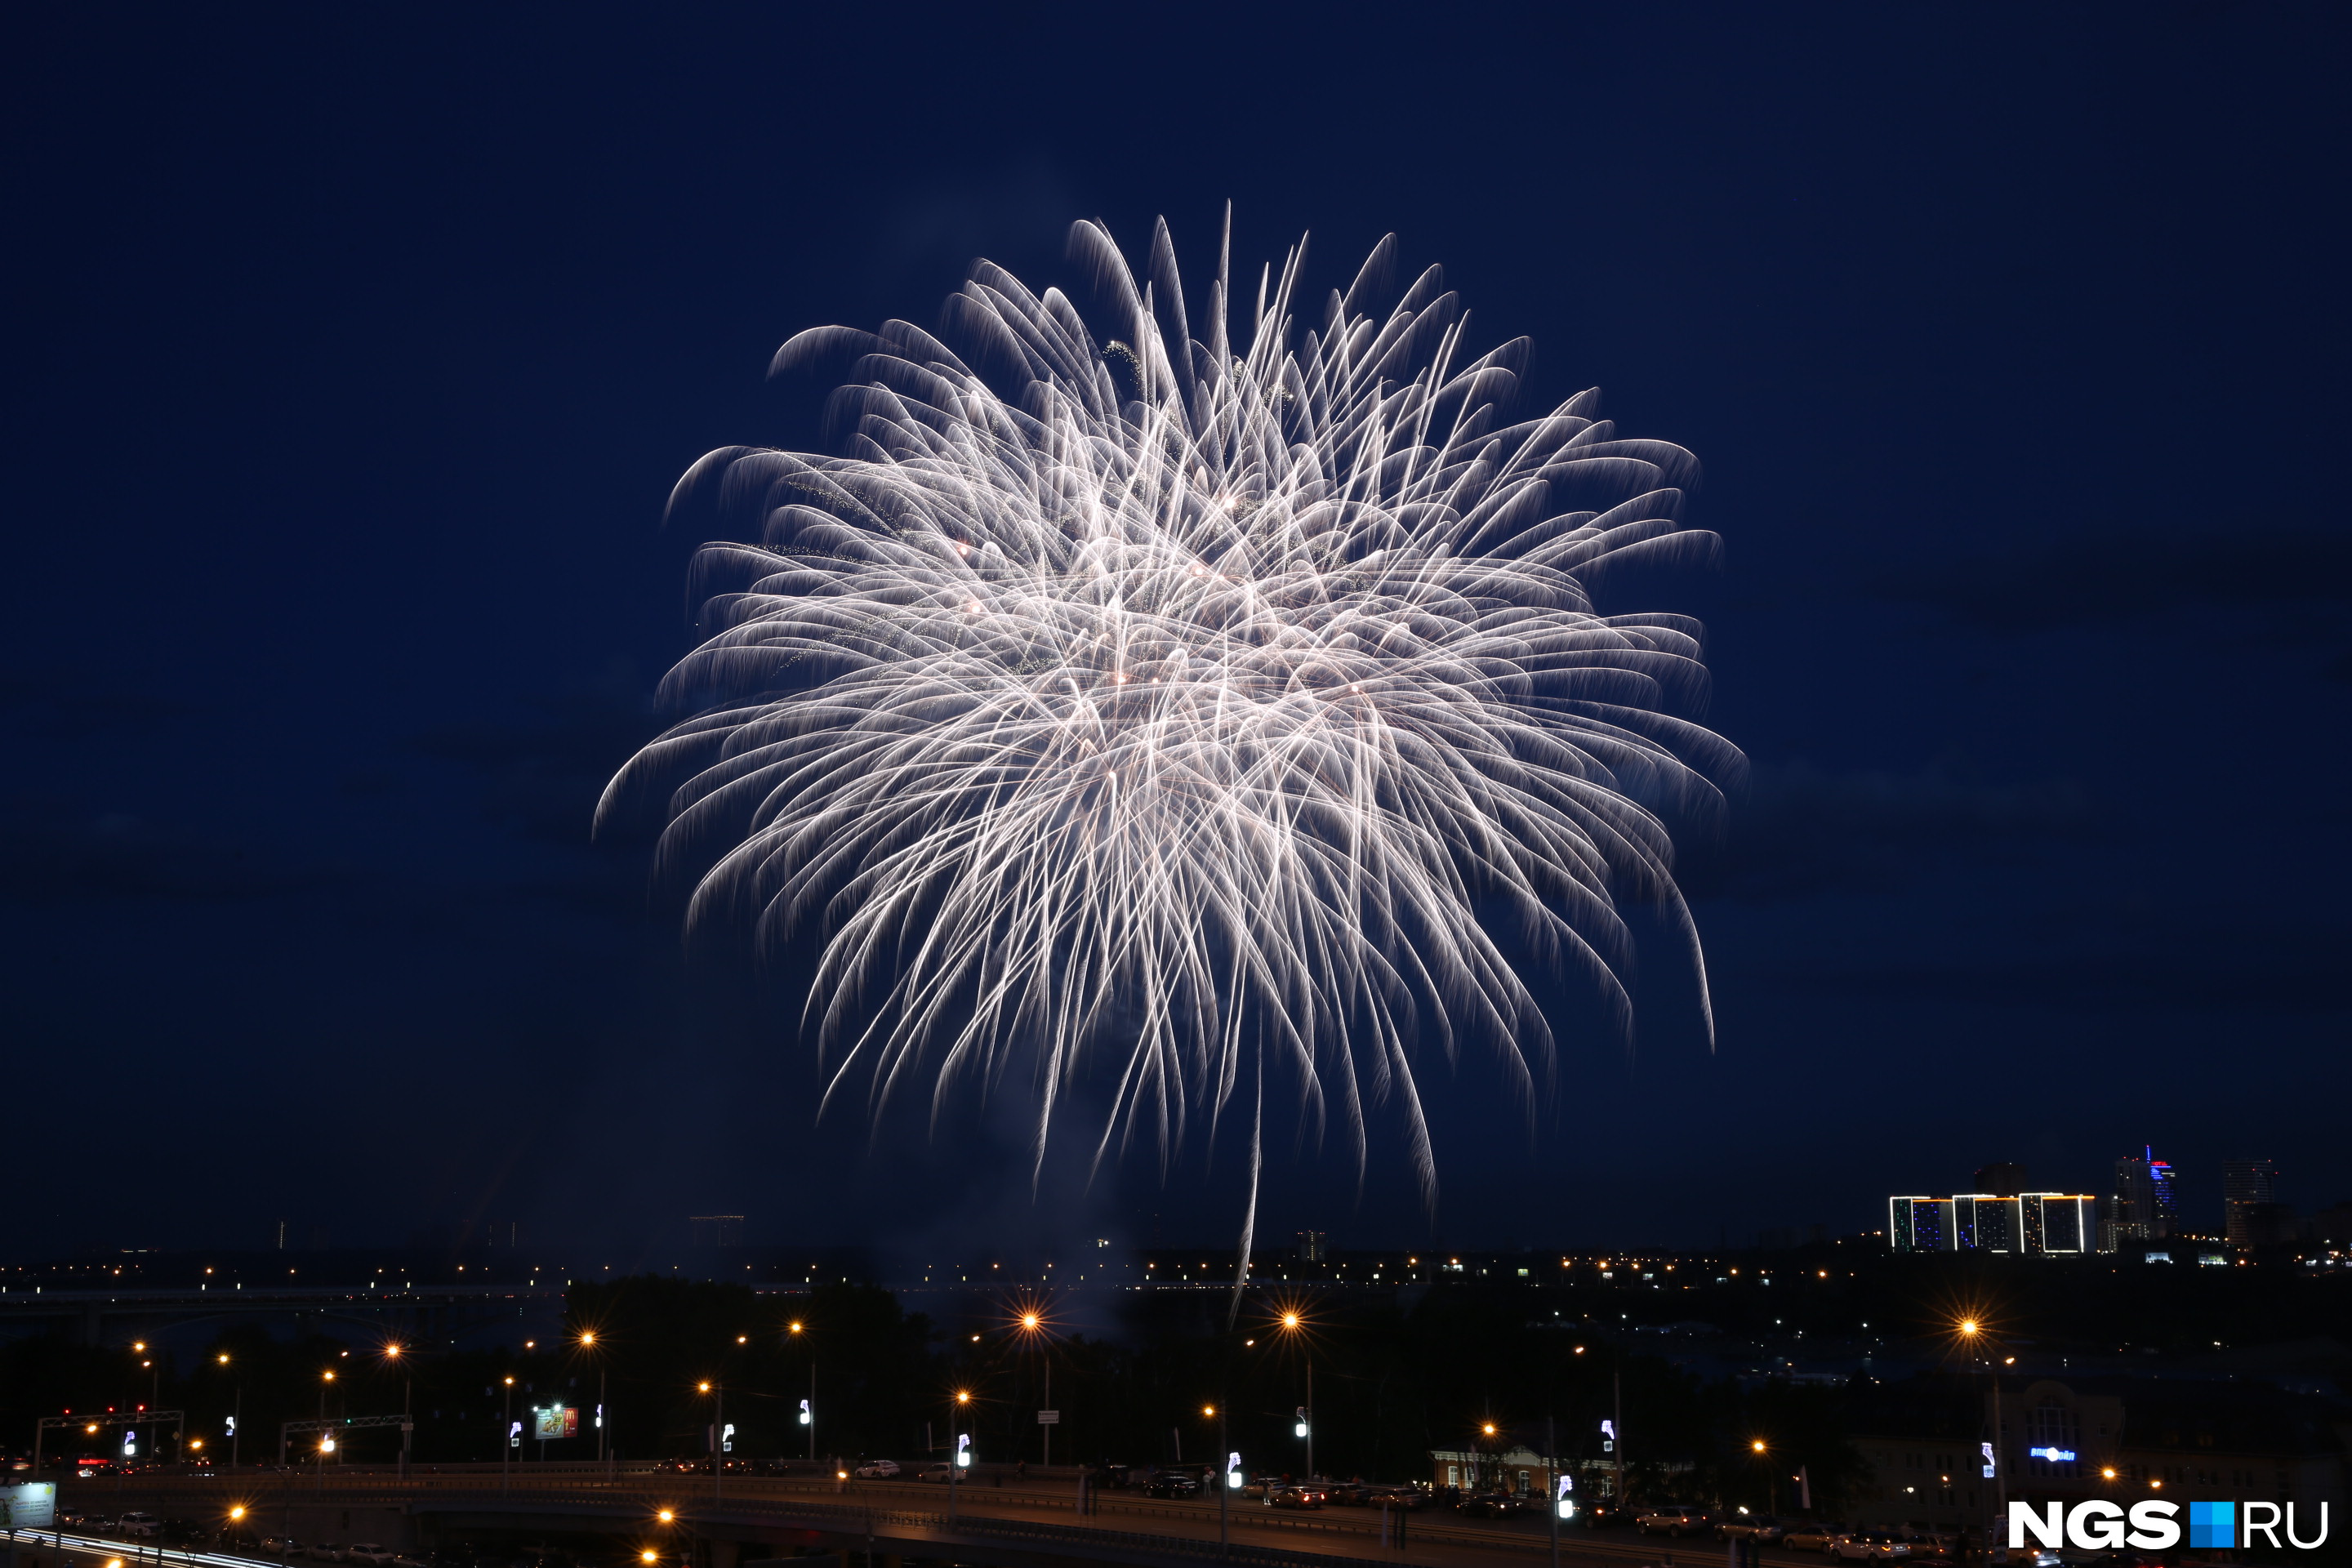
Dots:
pixel 795 1331
pixel 1294 1327
pixel 1973 1335
pixel 507 1438
pixel 956 1449
pixel 326 1438
pixel 1032 1326
pixel 237 1417
pixel 392 1354
pixel 588 1343
pixel 1225 1487
pixel 717 1437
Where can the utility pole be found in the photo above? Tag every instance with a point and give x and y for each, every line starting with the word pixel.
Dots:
pixel 1552 1453
pixel 1310 1418
pixel 506 1438
pixel 1046 1427
pixel 1617 1425
pixel 1224 1488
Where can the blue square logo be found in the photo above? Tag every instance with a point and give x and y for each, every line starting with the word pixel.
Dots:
pixel 2213 1524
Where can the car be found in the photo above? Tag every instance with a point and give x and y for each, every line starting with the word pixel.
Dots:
pixel 1870 1546
pixel 325 1551
pixel 368 1552
pixel 1813 1536
pixel 1173 1483
pixel 1761 1528
pixel 1673 1520
pixel 940 1472
pixel 281 1546
pixel 1294 1498
pixel 1492 1505
pixel 1599 1513
pixel 136 1523
pixel 877 1470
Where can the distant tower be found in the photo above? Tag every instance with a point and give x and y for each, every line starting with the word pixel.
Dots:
pixel 2246 1185
pixel 1312 1245
pixel 2166 1217
pixel 2004 1179
pixel 2140 1206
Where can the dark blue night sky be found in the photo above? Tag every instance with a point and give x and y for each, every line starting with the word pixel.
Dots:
pixel 353 356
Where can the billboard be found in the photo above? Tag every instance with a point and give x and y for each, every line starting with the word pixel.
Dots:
pixel 555 1421
pixel 31 1505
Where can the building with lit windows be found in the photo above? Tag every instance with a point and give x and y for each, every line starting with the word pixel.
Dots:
pixel 2141 1206
pixel 2048 1222
pixel 2246 1186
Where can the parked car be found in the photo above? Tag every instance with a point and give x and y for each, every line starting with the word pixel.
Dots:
pixel 281 1546
pixel 1761 1528
pixel 877 1470
pixel 368 1552
pixel 940 1471
pixel 1812 1537
pixel 1294 1497
pixel 138 1524
pixel 1172 1484
pixel 1673 1519
pixel 325 1551
pixel 1870 1546
pixel 1599 1513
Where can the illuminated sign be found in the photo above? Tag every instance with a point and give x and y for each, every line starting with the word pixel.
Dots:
pixel 1232 1472
pixel 808 1417
pixel 2059 1455
pixel 1988 1458
pixel 555 1421
pixel 31 1505
pixel 1566 1503
pixel 964 1450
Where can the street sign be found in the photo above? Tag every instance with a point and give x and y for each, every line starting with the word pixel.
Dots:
pixel 1049 1418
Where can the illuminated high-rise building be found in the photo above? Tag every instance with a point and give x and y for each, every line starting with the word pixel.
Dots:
pixel 1987 1222
pixel 2049 1222
pixel 2140 1208
pixel 2246 1186
pixel 2060 1222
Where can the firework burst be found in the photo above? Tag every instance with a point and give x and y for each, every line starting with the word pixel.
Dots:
pixel 1204 710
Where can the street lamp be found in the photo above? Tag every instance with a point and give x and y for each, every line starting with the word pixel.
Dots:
pixel 236 1415
pixel 1032 1326
pixel 506 1437
pixel 794 1332
pixel 718 1436
pixel 588 1343
pixel 392 1354
pixel 1293 1324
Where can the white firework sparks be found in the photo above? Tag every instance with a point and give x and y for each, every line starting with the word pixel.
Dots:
pixel 1187 711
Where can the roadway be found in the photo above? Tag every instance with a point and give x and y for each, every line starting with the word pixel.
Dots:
pixel 1034 1519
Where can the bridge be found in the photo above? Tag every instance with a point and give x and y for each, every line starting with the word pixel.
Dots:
pixel 695 1522
pixel 424 1312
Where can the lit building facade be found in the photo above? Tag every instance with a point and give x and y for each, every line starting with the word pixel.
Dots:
pixel 2141 1206
pixel 2048 1222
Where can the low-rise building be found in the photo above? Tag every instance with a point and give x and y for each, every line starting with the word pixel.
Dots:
pixel 2066 1442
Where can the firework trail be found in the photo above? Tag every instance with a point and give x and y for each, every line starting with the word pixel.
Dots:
pixel 1170 711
